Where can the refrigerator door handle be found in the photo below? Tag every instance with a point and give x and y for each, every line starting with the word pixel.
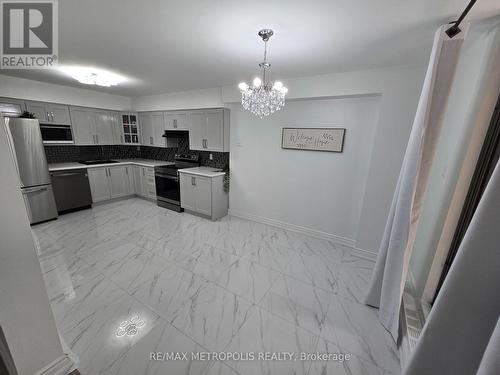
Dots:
pixel 34 189
pixel 12 150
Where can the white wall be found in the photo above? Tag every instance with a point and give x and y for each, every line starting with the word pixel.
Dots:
pixel 399 88
pixel 209 98
pixel 25 314
pixel 318 191
pixel 473 96
pixel 13 87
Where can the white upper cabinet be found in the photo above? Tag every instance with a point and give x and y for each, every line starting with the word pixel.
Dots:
pixel 40 111
pixel 104 128
pixel 146 129
pixel 198 131
pixel 59 114
pixel 176 121
pixel 49 113
pixel 83 126
pixel 95 126
pixel 14 106
pixel 214 136
pixel 117 128
pixel 152 129
pixel 209 130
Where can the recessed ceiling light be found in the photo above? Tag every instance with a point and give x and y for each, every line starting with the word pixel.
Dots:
pixel 93 76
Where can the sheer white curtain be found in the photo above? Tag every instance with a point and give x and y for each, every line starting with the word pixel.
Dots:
pixel 462 333
pixel 390 272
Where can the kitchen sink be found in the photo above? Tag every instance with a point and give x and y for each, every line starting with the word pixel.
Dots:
pixel 94 162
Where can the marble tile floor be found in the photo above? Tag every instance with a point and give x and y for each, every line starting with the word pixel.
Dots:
pixel 231 285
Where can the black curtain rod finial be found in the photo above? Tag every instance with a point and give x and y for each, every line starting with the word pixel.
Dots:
pixel 452 31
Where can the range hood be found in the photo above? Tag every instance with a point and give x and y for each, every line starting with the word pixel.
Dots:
pixel 172 137
pixel 176 134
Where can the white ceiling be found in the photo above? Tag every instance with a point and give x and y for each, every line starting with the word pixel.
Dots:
pixel 177 45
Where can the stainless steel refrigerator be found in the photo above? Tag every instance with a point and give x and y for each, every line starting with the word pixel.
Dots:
pixel 28 153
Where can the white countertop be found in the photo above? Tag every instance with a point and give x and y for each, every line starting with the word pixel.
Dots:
pixel 203 171
pixel 141 162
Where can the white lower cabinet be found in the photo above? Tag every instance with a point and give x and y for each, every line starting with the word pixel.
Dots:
pixel 119 185
pixel 109 182
pixel 138 180
pixel 144 182
pixel 121 181
pixel 203 195
pixel 99 184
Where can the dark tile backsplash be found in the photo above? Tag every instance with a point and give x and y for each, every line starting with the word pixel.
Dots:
pixel 66 153
pixel 69 153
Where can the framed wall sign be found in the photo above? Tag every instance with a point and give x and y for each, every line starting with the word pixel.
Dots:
pixel 314 139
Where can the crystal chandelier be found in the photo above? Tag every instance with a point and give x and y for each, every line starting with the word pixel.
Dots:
pixel 263 97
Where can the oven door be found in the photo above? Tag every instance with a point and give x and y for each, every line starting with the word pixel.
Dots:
pixel 168 188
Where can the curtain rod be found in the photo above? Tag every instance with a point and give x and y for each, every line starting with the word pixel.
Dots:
pixel 454 30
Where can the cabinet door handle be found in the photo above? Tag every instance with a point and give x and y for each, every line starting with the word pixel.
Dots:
pixel 97 139
pixel 206 143
pixel 52 113
pixel 150 140
pixel 175 123
pixel 48 117
pixel 143 172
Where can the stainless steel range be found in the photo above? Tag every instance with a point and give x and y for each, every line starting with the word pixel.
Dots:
pixel 167 181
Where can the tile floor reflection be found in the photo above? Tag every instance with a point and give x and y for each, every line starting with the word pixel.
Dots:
pixel 197 285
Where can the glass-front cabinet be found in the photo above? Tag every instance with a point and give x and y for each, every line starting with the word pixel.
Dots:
pixel 130 128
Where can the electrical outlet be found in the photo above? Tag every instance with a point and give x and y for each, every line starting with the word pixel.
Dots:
pixel 211 156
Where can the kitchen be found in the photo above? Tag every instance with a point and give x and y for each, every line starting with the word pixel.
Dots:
pixel 246 188
pixel 94 156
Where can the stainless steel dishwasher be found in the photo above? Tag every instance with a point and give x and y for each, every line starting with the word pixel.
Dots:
pixel 71 189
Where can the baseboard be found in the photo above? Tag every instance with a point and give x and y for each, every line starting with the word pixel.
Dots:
pixel 294 228
pixel 61 366
pixel 365 254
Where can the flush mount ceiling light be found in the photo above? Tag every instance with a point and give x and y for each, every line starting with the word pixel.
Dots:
pixel 263 97
pixel 93 76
